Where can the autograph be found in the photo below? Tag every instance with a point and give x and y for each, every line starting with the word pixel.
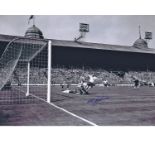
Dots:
pixel 97 100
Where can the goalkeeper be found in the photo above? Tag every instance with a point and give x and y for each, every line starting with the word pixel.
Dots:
pixel 80 89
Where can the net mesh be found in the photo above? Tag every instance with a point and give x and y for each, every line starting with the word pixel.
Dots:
pixel 14 79
pixel 9 61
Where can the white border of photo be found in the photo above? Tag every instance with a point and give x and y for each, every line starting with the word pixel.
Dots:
pixel 77 140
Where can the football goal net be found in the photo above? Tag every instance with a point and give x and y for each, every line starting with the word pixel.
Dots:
pixel 25 69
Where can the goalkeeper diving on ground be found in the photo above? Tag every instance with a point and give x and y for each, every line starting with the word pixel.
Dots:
pixel 82 87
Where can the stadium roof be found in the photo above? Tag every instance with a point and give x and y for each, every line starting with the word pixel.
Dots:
pixel 102 46
pixel 107 47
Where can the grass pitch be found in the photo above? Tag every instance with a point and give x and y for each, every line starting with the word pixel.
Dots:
pixel 112 106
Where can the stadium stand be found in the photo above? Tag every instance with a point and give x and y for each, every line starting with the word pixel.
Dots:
pixel 59 75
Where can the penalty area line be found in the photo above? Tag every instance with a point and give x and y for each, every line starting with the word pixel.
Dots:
pixel 66 111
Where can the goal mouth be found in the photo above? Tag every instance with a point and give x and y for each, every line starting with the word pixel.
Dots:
pixel 23 64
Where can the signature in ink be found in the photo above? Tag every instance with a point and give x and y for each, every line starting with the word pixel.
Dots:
pixel 97 100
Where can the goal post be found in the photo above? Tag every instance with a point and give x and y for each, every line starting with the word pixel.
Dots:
pixel 49 71
pixel 49 67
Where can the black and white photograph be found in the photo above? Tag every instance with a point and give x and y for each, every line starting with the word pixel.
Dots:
pixel 77 77
pixel 77 70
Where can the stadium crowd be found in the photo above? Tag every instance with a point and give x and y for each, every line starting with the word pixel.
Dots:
pixel 72 76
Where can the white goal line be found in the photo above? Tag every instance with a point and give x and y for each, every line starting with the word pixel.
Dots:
pixel 31 84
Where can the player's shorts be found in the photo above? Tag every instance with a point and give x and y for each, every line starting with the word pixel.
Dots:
pixel 90 84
